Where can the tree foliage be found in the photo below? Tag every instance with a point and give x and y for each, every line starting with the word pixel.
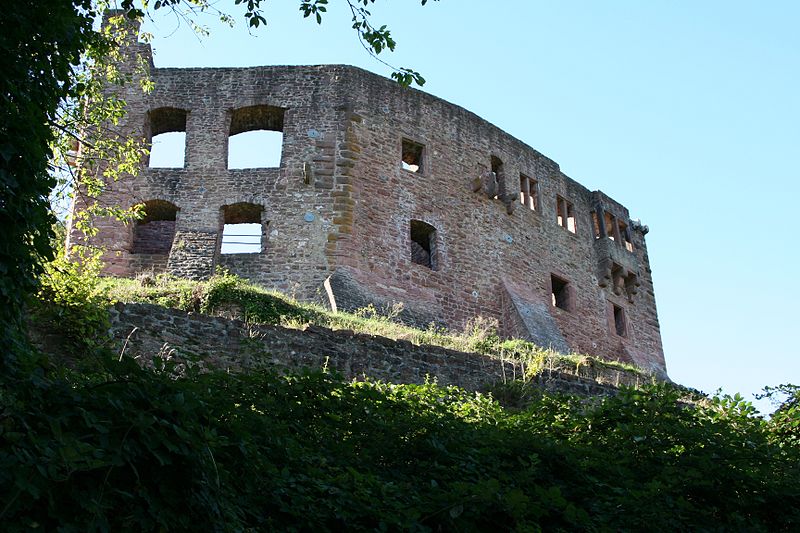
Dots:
pixel 38 63
pixel 54 63
pixel 93 441
pixel 121 448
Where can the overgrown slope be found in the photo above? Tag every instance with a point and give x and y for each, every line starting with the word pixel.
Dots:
pixel 111 446
pixel 228 295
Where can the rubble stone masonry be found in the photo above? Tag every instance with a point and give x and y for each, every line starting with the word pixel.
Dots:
pixel 498 230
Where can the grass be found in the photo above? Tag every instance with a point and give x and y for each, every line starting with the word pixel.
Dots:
pixel 228 295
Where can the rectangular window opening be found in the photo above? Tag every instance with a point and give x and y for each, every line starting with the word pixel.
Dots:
pixel 168 150
pixel 571 221
pixel 611 222
pixel 255 137
pixel 560 293
pixel 423 244
pixel 255 149
pixel 625 234
pixel 497 173
pixel 596 225
pixel 565 214
pixel 241 239
pixel 242 229
pixel 166 131
pixel 412 156
pixel 620 326
pixel 529 192
pixel 154 233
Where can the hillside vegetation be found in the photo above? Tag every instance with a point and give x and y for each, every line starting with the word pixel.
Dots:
pixel 94 442
pixel 228 295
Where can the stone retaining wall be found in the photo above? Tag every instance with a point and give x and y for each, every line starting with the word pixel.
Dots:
pixel 144 330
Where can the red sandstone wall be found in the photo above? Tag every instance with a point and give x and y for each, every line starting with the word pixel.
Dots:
pixel 341 204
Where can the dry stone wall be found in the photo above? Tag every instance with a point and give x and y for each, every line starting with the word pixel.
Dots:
pixel 143 330
pixel 507 234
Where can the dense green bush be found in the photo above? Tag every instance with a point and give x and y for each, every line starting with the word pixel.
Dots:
pixel 123 448
pixel 109 446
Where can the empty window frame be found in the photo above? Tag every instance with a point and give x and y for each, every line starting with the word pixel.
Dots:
pixel 611 225
pixel 561 295
pixel 166 134
pixel 598 232
pixel 565 214
pixel 529 192
pixel 620 323
pixel 614 228
pixel 423 244
pixel 412 156
pixel 154 233
pixel 625 235
pixel 256 137
pixel 499 175
pixel 242 229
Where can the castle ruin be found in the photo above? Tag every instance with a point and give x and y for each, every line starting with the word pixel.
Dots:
pixel 382 195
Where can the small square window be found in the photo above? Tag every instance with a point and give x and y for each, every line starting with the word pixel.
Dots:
pixel 412 157
pixel 242 229
pixel 529 192
pixel 560 293
pixel 620 324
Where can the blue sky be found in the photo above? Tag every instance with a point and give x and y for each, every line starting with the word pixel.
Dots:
pixel 686 112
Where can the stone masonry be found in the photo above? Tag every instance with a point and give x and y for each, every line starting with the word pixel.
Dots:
pixel 143 331
pixel 383 195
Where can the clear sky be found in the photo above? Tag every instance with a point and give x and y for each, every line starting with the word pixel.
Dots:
pixel 686 112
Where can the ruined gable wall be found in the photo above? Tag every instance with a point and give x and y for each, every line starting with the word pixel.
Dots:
pixel 297 215
pixel 479 244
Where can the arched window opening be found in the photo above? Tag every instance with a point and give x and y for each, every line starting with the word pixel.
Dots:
pixel 154 233
pixel 242 229
pixel 167 136
pixel 256 137
pixel 423 244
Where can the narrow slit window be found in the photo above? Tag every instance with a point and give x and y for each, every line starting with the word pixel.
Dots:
pixel 498 174
pixel 611 223
pixel 423 244
pixel 412 156
pixel 153 234
pixel 560 293
pixel 625 234
pixel 256 137
pixel 565 214
pixel 620 325
pixel 166 131
pixel 529 192
pixel 596 225
pixel 242 229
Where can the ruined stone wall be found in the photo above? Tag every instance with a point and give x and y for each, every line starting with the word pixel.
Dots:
pixel 143 330
pixel 337 213
pixel 489 250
